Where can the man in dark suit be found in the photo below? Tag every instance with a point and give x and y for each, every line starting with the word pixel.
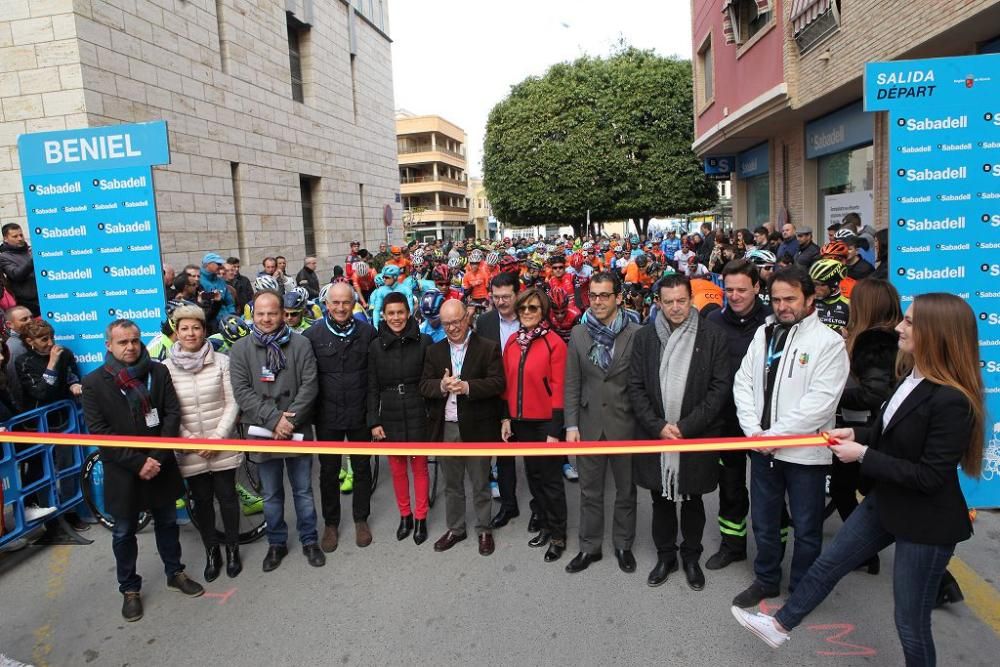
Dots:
pixel 498 325
pixel 462 382
pixel 132 396
pixel 597 407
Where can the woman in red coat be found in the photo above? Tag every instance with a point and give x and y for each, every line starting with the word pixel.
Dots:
pixel 534 362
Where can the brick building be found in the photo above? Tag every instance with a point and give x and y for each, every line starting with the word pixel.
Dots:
pixel 280 113
pixel 778 87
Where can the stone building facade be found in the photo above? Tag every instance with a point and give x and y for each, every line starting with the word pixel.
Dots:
pixel 279 112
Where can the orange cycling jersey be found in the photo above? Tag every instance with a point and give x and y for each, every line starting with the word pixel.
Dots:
pixel 705 292
pixel 477 283
pixel 846 285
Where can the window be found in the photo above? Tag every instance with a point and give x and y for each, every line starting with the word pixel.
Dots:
pixel 845 172
pixel 705 71
pixel 307 186
pixel 297 37
pixel 745 18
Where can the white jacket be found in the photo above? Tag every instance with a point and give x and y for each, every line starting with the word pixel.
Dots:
pixel 208 410
pixel 811 376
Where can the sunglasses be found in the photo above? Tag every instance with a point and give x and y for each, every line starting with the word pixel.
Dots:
pixel 529 308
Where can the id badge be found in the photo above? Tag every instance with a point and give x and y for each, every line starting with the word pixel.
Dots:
pixel 152 419
pixel 266 374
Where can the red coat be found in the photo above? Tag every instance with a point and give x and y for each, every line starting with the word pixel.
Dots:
pixel 534 388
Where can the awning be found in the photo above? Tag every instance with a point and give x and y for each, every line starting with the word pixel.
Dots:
pixel 729 25
pixel 805 12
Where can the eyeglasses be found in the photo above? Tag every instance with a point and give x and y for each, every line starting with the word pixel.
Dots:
pixel 601 296
pixel 529 308
pixel 502 297
pixel 451 324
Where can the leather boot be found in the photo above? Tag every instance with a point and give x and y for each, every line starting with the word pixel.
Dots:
pixel 405 527
pixel 234 565
pixel 213 563
pixel 420 531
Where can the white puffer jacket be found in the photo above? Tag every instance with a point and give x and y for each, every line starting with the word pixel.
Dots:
pixel 208 410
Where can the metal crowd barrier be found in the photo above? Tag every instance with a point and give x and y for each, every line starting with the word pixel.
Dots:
pixel 58 482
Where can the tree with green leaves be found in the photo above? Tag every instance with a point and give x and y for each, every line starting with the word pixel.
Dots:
pixel 609 135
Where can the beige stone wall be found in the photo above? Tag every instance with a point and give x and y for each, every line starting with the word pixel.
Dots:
pixel 226 97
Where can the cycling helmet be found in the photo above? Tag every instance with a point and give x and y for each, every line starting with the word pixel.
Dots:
pixel 440 274
pixel 296 299
pixel 827 270
pixel 454 263
pixel 509 263
pixel 493 258
pixel 265 282
pixel 559 299
pixel 576 261
pixel 533 265
pixel 324 290
pixel 233 328
pixel 588 246
pixel 844 233
pixel 641 261
pixel 475 256
pixel 360 268
pixel 430 303
pixel 654 269
pixel 379 280
pixel 396 250
pixel 761 257
pixel 418 258
pixel 390 271
pixel 522 255
pixel 605 244
pixel 836 249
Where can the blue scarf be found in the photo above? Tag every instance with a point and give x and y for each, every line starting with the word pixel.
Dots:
pixel 603 337
pixel 272 343
pixel 338 329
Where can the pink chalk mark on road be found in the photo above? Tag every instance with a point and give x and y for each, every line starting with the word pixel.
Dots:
pixel 223 598
pixel 838 632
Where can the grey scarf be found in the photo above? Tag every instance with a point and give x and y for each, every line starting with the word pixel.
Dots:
pixel 676 350
pixel 191 362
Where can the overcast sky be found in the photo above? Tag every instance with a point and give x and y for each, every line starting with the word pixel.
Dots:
pixel 477 49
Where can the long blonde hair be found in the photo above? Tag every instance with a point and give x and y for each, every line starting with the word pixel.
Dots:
pixel 946 350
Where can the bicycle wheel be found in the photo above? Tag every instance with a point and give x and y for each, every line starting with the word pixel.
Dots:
pixel 432 466
pixel 92 485
pixel 248 492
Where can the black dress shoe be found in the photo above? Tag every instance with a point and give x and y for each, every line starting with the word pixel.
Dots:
pixel 949 592
pixel 695 577
pixel 503 517
pixel 723 558
pixel 448 540
pixel 234 564
pixel 534 523
pixel 213 563
pixel 540 540
pixel 420 531
pixel 132 606
pixel 581 562
pixel 314 555
pixel 275 554
pixel 626 561
pixel 752 596
pixel 405 526
pixel 658 575
pixel 555 551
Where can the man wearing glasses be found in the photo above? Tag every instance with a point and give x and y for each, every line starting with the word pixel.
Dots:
pixel 462 381
pixel 597 408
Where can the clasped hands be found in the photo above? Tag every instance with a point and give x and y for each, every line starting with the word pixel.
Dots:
pixel 453 384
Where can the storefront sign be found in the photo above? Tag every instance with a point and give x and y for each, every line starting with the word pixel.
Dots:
pixel 840 131
pixel 944 202
pixel 720 165
pixel 835 207
pixel 753 162
pixel 94 235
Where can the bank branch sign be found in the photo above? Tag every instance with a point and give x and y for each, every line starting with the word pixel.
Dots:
pixel 944 202
pixel 93 230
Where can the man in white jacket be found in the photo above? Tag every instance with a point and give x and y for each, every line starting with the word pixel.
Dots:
pixel 789 383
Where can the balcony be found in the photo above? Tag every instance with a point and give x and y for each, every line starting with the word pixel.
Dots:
pixel 417 185
pixel 426 148
pixel 423 215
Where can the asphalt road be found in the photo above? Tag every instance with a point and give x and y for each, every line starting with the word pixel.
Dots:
pixel 396 603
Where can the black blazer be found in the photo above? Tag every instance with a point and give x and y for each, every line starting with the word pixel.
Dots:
pixel 913 465
pixel 488 326
pixel 107 411
pixel 479 412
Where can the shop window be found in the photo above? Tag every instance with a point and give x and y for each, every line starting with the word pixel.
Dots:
pixel 842 173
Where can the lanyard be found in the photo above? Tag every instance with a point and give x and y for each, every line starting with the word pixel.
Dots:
pixel 772 354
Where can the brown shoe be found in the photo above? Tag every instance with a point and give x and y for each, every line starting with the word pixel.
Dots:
pixel 448 540
pixel 362 533
pixel 486 545
pixel 330 539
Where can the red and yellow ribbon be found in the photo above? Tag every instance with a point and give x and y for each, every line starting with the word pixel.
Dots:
pixel 424 448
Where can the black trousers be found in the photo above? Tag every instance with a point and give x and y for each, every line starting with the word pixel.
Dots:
pixel 665 527
pixel 545 480
pixel 734 503
pixel 329 477
pixel 205 489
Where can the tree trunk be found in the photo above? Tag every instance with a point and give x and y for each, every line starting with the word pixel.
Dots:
pixel 641 225
pixel 579 228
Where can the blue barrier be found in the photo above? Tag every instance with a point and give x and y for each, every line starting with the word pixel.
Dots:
pixel 57 486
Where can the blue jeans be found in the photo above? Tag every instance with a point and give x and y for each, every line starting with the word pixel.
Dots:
pixel 917 572
pixel 805 485
pixel 300 477
pixel 126 547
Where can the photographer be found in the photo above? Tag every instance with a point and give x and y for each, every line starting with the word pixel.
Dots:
pixel 215 298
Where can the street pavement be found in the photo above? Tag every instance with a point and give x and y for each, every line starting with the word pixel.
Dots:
pixel 395 603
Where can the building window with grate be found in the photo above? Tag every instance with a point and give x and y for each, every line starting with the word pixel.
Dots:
pixel 307 188
pixel 298 35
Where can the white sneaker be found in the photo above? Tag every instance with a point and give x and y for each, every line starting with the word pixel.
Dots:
pixel 761 625
pixel 11 662
pixel 570 473
pixel 34 513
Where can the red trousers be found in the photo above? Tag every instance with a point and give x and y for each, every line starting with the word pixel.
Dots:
pixel 401 484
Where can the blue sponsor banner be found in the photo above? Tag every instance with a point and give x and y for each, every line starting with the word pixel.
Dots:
pixel 839 131
pixel 753 162
pixel 944 203
pixel 94 236
pixel 720 165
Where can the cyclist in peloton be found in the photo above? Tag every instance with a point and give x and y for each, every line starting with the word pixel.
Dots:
pixel 832 307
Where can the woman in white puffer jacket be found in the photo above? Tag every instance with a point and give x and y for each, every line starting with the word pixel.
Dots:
pixel 208 411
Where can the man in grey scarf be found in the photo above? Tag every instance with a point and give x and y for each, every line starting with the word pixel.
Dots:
pixel 678 384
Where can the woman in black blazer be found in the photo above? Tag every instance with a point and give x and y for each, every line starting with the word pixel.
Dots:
pixel 931 424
